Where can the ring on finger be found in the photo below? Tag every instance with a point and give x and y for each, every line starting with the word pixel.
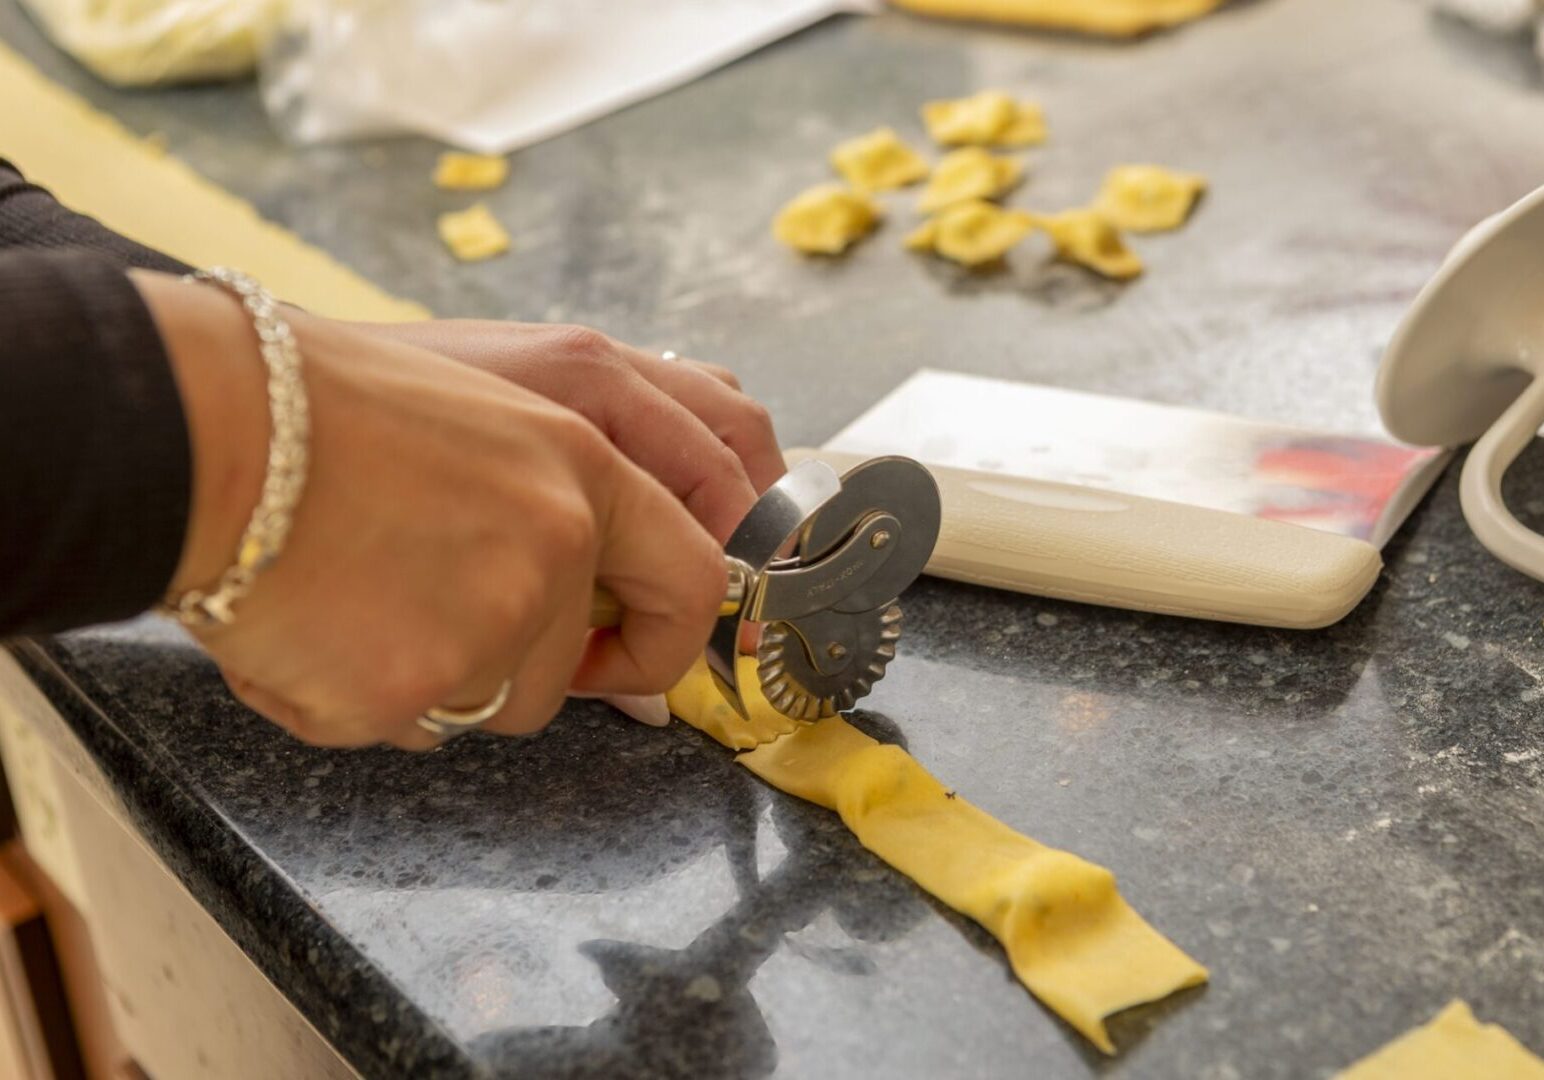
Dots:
pixel 445 722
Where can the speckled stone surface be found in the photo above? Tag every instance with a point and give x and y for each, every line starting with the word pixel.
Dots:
pixel 1346 826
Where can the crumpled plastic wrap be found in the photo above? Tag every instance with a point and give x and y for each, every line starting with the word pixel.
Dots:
pixel 496 75
pixel 487 75
pixel 147 42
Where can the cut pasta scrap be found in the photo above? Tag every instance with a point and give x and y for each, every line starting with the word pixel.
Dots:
pixel 826 219
pixel 473 234
pixel 878 161
pixel 1070 937
pixel 988 118
pixel 1087 238
pixel 1112 18
pixel 968 173
pixel 1148 198
pixel 972 233
pixel 1452 1044
pixel 456 171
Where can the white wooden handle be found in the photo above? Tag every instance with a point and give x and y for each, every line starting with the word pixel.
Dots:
pixel 1100 547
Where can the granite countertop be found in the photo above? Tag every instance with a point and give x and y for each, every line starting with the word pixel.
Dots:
pixel 1346 826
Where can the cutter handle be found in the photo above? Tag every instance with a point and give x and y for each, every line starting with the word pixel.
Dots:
pixel 1100 547
pixel 606 609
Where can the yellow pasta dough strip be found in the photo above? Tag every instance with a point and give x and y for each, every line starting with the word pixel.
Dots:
pixel 697 700
pixel 1453 1044
pixel 1070 937
pixel 1114 18
pixel 62 142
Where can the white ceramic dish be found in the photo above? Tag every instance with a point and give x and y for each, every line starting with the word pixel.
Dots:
pixel 1464 365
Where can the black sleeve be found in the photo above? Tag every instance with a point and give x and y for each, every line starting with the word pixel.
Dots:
pixel 95 464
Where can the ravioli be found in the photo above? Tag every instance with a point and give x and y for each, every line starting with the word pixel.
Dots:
pixel 1148 198
pixel 473 234
pixel 1086 237
pixel 971 233
pixel 968 173
pixel 826 219
pixel 470 172
pixel 878 161
pixel 989 118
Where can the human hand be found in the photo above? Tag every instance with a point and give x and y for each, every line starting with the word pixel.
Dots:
pixel 686 423
pixel 451 532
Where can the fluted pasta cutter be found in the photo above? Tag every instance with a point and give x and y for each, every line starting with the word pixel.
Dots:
pixel 818 565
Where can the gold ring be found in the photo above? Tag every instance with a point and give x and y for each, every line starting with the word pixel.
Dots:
pixel 446 722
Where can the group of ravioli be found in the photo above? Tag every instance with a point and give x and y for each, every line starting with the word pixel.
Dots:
pixel 965 222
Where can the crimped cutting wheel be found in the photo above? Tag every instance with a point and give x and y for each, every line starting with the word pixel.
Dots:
pixel 827 612
pixel 796 688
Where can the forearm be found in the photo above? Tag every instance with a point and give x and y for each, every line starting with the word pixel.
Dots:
pixel 32 219
pixel 212 350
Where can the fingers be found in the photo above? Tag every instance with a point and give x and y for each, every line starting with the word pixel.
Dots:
pixel 647 709
pixel 712 394
pixel 669 576
pixel 416 738
pixel 310 726
pixel 540 679
pixel 260 701
pixel 624 392
pixel 665 438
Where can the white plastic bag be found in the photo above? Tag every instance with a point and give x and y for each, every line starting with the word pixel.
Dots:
pixel 141 42
pixel 494 75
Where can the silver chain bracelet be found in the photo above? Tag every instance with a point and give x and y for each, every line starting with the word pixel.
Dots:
pixel 288 454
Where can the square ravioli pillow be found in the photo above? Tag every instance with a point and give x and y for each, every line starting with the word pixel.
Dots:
pixel 826 219
pixel 968 173
pixel 878 161
pixel 989 118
